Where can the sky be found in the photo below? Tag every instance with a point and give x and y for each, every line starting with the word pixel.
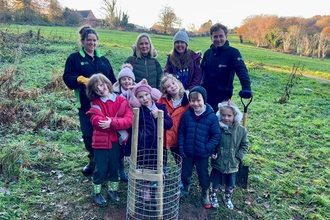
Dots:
pixel 230 13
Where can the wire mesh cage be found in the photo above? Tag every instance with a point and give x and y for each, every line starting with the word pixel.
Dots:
pixel 150 195
pixel 153 178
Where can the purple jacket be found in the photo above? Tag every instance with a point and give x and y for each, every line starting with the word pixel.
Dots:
pixel 194 74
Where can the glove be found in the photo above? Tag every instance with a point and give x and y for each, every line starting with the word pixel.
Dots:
pixel 245 94
pixel 82 80
pixel 181 152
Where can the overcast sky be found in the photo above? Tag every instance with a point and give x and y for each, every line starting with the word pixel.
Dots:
pixel 230 13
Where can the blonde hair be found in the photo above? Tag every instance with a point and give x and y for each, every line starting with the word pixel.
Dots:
pixel 168 77
pixel 136 49
pixel 230 105
pixel 93 82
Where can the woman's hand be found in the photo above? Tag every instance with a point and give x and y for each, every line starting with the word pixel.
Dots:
pixel 104 124
pixel 214 156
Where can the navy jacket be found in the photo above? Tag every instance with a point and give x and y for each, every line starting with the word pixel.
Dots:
pixel 219 65
pixel 199 137
pixel 147 134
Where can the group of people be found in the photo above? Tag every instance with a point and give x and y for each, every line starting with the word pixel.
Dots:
pixel 194 92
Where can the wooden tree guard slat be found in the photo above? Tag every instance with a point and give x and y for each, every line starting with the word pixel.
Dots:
pixel 147 174
pixel 160 188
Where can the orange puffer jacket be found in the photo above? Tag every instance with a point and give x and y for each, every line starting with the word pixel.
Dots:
pixel 171 136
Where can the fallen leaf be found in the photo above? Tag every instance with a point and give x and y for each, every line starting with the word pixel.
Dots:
pixel 267 206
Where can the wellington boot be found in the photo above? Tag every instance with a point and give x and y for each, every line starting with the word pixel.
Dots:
pixel 113 191
pixel 206 199
pixel 185 191
pixel 89 168
pixel 97 197
pixel 99 200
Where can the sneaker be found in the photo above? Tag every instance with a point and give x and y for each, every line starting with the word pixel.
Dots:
pixel 214 199
pixel 227 201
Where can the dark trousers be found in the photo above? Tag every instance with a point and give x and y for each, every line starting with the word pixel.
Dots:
pixel 214 99
pixel 202 168
pixel 219 178
pixel 87 131
pixel 106 164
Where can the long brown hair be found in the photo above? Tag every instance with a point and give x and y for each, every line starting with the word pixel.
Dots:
pixel 176 61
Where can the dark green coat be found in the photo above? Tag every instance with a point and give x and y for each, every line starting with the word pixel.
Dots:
pixel 232 148
pixel 148 68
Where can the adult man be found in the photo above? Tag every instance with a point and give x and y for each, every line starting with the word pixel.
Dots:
pixel 219 65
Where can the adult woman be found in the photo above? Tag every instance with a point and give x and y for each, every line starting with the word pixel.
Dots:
pixel 184 63
pixel 79 67
pixel 144 62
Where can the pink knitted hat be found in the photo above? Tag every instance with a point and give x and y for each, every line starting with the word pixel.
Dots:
pixel 143 86
pixel 126 70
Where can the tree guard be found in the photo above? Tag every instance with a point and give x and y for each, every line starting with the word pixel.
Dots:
pixel 153 184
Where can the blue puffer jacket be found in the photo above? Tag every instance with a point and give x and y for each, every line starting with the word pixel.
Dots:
pixel 199 137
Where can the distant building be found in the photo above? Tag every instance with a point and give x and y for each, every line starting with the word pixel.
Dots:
pixel 88 17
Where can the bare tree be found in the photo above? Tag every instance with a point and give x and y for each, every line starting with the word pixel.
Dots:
pixel 167 18
pixel 109 8
pixel 114 18
pixel 324 42
pixel 54 10
pixel 205 28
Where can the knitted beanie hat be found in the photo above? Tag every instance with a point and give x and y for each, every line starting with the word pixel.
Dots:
pixel 181 35
pixel 238 114
pixel 126 70
pixel 200 90
pixel 143 86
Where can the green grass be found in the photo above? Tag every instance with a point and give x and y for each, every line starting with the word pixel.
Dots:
pixel 288 153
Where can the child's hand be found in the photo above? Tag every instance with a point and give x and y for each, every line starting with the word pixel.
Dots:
pixel 214 156
pixel 104 124
pixel 127 159
pixel 154 112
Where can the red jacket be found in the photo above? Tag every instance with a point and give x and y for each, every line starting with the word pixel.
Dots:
pixel 121 119
pixel 171 135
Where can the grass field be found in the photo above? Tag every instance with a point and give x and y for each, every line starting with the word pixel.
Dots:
pixel 41 152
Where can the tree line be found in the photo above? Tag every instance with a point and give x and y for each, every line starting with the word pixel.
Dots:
pixel 50 12
pixel 294 35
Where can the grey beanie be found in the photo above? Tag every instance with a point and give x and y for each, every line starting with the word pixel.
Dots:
pixel 181 35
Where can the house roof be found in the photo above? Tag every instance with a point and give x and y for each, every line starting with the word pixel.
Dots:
pixel 86 13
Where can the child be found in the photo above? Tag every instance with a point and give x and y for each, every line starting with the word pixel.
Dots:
pixel 199 134
pixel 126 79
pixel 109 114
pixel 229 153
pixel 145 97
pixel 176 102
